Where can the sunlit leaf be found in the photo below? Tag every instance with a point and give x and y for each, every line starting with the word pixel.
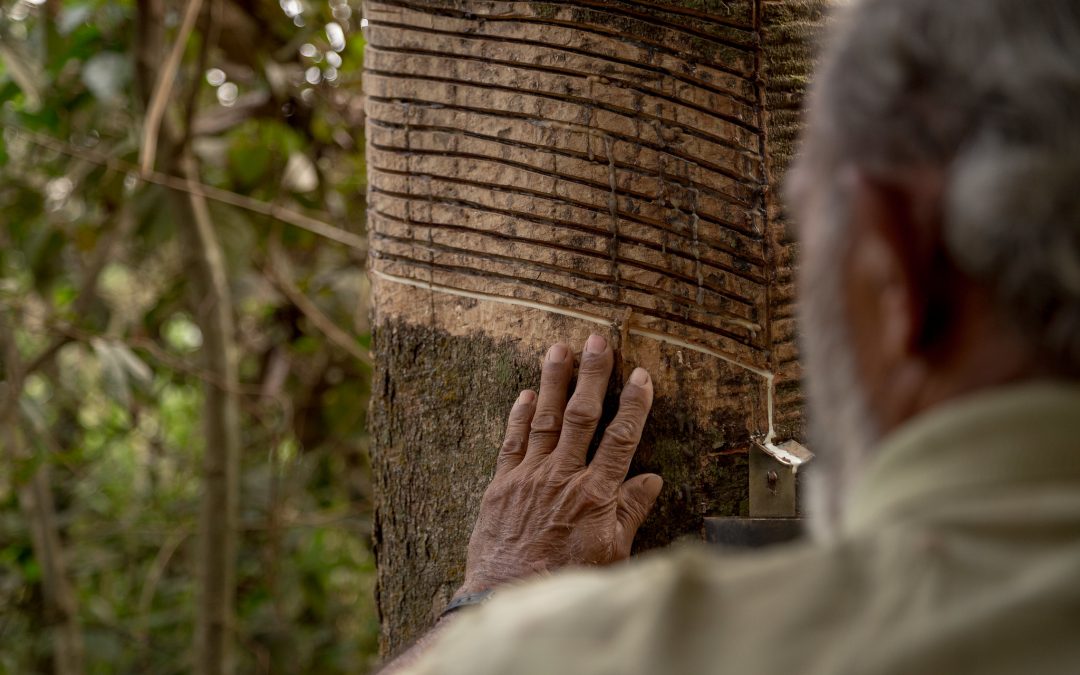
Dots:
pixel 182 334
pixel 33 412
pixel 300 174
pixel 72 16
pixel 114 376
pixel 106 75
pixel 135 367
pixel 25 73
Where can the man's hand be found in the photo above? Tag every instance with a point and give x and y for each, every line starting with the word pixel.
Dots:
pixel 546 508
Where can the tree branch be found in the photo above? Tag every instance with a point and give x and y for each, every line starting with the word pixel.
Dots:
pixel 278 272
pixel 210 29
pixel 22 72
pixel 159 100
pixel 153 578
pixel 221 418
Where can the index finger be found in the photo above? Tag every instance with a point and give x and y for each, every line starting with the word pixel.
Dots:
pixel 620 441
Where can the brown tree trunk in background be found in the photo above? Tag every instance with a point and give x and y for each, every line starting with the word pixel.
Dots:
pixel 218 528
pixel 36 500
pixel 542 170
pixel 215 628
pixel 61 603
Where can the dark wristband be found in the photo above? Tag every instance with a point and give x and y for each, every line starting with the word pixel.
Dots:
pixel 466 601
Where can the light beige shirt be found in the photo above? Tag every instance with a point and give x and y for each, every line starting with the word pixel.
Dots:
pixel 961 554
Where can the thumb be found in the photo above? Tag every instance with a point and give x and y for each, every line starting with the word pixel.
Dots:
pixel 636 499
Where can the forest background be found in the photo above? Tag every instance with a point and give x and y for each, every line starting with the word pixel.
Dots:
pixel 184 369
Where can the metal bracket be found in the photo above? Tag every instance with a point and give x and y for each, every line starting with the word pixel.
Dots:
pixel 773 472
pixel 773 499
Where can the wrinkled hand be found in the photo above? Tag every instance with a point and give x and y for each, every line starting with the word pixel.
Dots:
pixel 546 508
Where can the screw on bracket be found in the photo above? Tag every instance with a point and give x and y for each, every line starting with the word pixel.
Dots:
pixel 773 479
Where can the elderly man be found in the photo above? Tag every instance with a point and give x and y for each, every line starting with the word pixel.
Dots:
pixel 938 204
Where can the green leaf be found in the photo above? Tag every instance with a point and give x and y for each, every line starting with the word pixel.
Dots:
pixel 249 159
pixel 181 333
pixel 63 294
pixel 31 571
pixel 44 252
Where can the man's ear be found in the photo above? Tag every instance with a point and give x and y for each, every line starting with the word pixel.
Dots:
pixel 889 267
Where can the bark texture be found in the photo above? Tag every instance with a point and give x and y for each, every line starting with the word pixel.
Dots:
pixel 542 170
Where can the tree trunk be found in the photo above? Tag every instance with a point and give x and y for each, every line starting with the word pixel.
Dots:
pixel 156 70
pixel 61 601
pixel 36 498
pixel 219 513
pixel 542 170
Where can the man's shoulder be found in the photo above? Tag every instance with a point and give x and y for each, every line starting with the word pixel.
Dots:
pixel 953 598
pixel 665 609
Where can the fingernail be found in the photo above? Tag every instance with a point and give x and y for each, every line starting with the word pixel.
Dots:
pixel 527 396
pixel 640 377
pixel 654 484
pixel 596 344
pixel 557 353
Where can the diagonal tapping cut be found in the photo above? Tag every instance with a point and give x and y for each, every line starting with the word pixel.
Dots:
pixel 766 375
pixel 484 163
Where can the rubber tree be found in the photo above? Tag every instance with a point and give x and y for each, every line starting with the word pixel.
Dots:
pixel 542 170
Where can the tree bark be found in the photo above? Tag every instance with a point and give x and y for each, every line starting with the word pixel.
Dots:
pixel 542 170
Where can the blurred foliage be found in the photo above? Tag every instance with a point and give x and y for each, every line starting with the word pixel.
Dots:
pixel 270 93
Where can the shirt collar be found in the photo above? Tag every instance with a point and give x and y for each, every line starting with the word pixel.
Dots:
pixel 1004 437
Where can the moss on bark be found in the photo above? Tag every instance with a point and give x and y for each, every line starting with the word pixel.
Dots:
pixel 438 413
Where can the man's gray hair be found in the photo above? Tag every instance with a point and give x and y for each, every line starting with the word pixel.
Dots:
pixel 988 91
